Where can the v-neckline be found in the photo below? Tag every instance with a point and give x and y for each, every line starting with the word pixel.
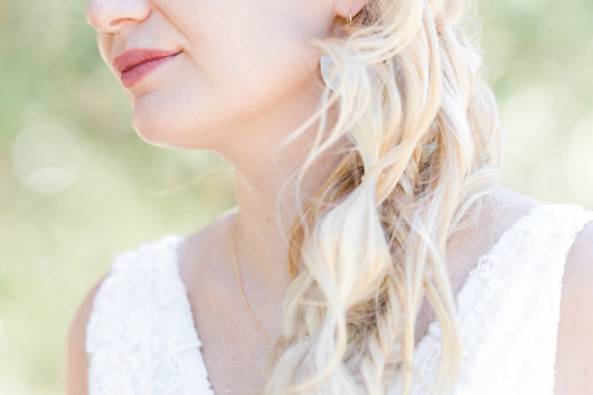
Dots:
pixel 431 332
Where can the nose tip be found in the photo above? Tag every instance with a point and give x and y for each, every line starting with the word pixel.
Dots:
pixel 109 16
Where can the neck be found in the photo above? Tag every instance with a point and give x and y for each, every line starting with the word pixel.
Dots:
pixel 262 169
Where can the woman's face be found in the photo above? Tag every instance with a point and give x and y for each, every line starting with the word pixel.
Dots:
pixel 239 59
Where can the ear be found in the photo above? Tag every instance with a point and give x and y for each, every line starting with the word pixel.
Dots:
pixel 344 8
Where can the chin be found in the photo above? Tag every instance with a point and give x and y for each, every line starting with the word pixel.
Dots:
pixel 155 119
pixel 171 128
pixel 155 137
pixel 154 128
pixel 178 116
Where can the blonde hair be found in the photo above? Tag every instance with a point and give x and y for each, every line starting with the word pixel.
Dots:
pixel 365 251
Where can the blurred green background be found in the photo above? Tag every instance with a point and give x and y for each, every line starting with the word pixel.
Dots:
pixel 77 185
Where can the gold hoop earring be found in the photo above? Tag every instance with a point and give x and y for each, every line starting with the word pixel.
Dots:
pixel 349 18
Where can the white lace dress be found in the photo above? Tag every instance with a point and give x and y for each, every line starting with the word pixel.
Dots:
pixel 141 338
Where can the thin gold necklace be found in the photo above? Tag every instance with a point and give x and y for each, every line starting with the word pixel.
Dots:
pixel 238 275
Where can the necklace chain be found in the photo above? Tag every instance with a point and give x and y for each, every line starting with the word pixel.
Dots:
pixel 238 275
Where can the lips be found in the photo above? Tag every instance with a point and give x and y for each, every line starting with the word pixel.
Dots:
pixel 134 57
pixel 134 64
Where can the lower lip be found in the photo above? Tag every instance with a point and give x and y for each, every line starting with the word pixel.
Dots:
pixel 135 74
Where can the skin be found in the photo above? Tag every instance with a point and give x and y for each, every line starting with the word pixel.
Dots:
pixel 247 76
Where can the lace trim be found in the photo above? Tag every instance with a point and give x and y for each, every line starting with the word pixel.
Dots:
pixel 140 336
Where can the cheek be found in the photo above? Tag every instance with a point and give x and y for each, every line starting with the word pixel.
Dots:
pixel 255 57
pixel 239 61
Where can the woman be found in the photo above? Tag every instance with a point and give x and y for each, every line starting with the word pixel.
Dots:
pixel 371 250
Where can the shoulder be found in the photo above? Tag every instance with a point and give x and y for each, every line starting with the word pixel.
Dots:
pixel 574 353
pixel 76 355
pixel 499 211
pixel 504 206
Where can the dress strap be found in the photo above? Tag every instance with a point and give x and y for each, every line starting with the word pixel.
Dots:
pixel 508 310
pixel 140 335
pixel 511 334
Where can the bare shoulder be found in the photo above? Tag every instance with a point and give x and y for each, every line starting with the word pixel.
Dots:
pixel 499 211
pixel 76 356
pixel 510 204
pixel 574 353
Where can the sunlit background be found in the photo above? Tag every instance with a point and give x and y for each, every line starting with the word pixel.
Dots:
pixel 77 185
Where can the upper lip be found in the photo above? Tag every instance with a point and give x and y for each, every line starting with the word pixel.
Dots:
pixel 134 57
